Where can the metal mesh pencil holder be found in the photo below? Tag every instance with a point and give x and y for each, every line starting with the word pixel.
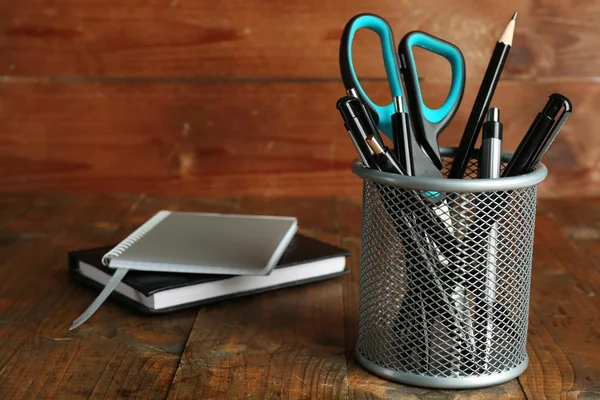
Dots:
pixel 444 282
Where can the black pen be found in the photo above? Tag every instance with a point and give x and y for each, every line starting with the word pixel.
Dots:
pixel 539 137
pixel 549 138
pixel 354 120
pixel 370 118
pixel 402 142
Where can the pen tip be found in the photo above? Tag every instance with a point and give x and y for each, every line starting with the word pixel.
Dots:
pixel 514 16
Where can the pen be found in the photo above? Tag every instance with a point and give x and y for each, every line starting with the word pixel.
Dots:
pixel 549 138
pixel 539 136
pixel 370 118
pixel 489 168
pixel 482 101
pixel 491 146
pixel 351 111
pixel 402 142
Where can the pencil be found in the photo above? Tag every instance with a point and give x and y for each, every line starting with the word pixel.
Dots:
pixel 482 101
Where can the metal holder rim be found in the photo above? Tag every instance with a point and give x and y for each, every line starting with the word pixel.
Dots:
pixel 468 382
pixel 452 185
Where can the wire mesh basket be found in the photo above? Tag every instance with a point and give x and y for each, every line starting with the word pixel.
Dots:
pixel 445 275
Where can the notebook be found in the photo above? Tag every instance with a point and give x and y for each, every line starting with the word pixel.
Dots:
pixel 305 260
pixel 179 241
pixel 201 243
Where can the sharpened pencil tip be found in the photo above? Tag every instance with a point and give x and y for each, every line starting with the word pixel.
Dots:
pixel 509 31
pixel 514 16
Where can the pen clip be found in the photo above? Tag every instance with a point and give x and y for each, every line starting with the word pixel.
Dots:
pixel 567 109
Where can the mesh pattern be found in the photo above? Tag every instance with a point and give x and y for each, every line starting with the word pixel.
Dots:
pixel 444 285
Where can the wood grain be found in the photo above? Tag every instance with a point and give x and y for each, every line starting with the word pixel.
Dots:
pixel 283 344
pixel 117 354
pixel 286 344
pixel 254 39
pixel 292 343
pixel 564 323
pixel 230 139
pixel 237 98
pixel 579 221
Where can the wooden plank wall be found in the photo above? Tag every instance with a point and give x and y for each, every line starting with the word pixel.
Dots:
pixel 237 97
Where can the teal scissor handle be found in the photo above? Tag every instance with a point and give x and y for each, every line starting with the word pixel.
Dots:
pixel 381 114
pixel 429 123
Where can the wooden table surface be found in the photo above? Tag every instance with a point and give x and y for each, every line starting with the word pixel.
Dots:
pixel 293 343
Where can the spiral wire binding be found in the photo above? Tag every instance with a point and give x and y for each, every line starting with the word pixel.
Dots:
pixel 134 236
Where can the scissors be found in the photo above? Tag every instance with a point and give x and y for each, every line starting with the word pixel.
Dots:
pixel 427 123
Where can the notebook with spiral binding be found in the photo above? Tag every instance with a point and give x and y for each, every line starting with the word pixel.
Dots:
pixel 193 242
pixel 202 243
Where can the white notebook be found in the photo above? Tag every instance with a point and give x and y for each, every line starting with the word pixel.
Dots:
pixel 193 242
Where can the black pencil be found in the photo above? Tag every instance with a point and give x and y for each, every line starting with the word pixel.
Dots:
pixel 482 101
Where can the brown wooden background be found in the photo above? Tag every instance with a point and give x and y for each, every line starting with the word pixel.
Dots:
pixel 238 97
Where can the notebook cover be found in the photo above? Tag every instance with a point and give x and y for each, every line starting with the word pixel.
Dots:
pixel 301 250
pixel 196 242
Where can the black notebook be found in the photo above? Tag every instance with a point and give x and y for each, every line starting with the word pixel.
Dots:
pixel 304 260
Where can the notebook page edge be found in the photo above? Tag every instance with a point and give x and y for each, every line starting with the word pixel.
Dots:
pixel 246 284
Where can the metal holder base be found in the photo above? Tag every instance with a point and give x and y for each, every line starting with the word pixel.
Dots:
pixel 442 382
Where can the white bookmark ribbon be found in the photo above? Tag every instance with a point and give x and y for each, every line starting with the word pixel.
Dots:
pixel 108 289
